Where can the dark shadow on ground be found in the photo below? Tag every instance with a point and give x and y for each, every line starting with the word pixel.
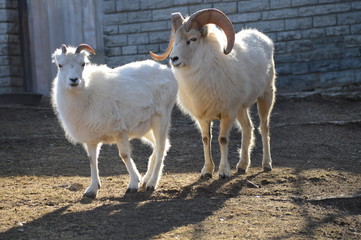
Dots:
pixel 117 221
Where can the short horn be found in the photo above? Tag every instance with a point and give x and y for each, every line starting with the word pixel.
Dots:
pixel 177 21
pixel 84 46
pixel 63 49
pixel 217 17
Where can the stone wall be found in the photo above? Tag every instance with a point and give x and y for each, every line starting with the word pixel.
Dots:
pixel 11 70
pixel 318 42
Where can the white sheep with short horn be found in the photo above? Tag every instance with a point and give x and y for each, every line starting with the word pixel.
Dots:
pixel 96 104
pixel 220 74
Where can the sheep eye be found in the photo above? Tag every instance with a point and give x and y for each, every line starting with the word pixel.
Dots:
pixel 60 66
pixel 193 39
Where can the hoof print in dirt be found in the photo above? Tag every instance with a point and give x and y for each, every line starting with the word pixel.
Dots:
pixel 206 176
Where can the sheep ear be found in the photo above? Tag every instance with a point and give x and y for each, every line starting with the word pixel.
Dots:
pixel 204 31
pixel 63 49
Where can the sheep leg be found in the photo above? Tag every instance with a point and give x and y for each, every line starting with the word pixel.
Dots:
pixel 160 129
pixel 124 152
pixel 93 153
pixel 247 140
pixel 265 105
pixel 151 162
pixel 206 131
pixel 225 128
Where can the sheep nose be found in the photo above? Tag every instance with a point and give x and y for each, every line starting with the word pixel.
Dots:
pixel 174 59
pixel 73 79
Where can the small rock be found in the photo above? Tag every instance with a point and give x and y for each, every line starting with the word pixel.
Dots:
pixel 75 187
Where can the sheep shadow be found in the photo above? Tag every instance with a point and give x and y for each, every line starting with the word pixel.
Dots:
pixel 134 216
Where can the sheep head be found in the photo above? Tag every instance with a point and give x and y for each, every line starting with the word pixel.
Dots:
pixel 71 62
pixel 187 32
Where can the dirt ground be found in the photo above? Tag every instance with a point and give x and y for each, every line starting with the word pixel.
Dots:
pixel 313 192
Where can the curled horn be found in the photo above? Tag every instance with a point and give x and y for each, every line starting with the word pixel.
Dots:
pixel 63 49
pixel 177 21
pixel 215 16
pixel 84 47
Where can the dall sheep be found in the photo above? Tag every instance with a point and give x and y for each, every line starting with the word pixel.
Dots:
pixel 220 74
pixel 96 104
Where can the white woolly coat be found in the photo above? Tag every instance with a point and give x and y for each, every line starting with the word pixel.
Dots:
pixel 214 83
pixel 112 101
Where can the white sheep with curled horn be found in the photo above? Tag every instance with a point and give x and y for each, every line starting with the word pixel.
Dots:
pixel 96 104
pixel 220 74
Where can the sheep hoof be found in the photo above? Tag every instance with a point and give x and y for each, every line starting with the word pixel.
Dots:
pixel 267 169
pixel 150 188
pixel 131 190
pixel 241 171
pixel 222 176
pixel 206 176
pixel 89 195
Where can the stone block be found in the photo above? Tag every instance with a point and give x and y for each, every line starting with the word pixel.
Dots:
pixel 356 29
pixel 326 20
pixel 298 23
pixel 337 78
pixel 289 35
pixel 253 6
pixel 350 63
pixel 165 14
pixel 353 41
pixel 187 2
pixel 356 5
pixel 159 37
pixel 195 8
pixel 349 18
pixel 280 3
pixel 110 30
pixel 324 66
pixel 337 31
pixel 324 9
pixel 268 26
pixel 298 3
pixel 299 45
pixel 112 51
pixel 313 33
pixel 109 7
pixel 129 50
pixel 139 38
pixel 155 26
pixel 129 28
pixel 146 4
pixel 145 48
pixel 140 16
pixel 115 40
pixel 280 14
pixel 115 19
pixel 245 17
pixel 226 7
pixel 4 71
pixel 127 5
